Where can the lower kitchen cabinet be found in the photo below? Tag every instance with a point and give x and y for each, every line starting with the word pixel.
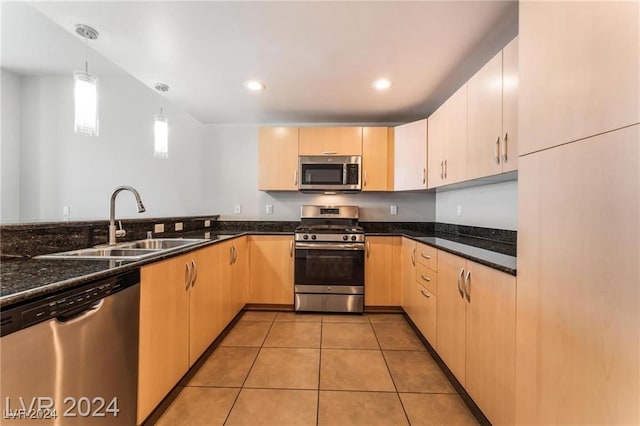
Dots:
pixel 382 255
pixel 239 273
pixel 408 276
pixel 164 330
pixel 476 332
pixel 272 261
pixel 425 315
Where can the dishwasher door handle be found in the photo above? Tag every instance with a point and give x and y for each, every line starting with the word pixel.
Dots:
pixel 77 316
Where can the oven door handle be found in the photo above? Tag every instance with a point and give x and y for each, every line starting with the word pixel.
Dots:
pixel 330 246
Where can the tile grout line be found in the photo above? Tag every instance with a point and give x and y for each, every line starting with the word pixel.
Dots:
pixel 235 400
pixel 319 375
pixel 406 415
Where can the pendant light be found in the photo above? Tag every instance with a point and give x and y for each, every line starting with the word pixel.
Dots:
pixel 86 90
pixel 161 127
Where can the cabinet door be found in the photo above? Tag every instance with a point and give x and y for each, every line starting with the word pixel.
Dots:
pixel 579 70
pixel 410 156
pixel 491 342
pixel 408 275
pixel 376 159
pixel 426 313
pixel 240 273
pixel 278 159
pixel 203 300
pixel 225 306
pixel 271 269
pixel 330 141
pixel 485 120
pixel 164 331
pixel 510 106
pixel 578 292
pixel 451 314
pixel 380 287
pixel 435 147
pixel 455 146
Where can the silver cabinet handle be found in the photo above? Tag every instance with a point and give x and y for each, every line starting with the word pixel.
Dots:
pixel 425 294
pixel 496 149
pixel 460 275
pixel 424 277
pixel 291 248
pixel 445 169
pixel 195 273
pixel 424 175
pixel 425 256
pixel 504 151
pixel 187 275
pixel 235 254
pixel 368 249
pixel 413 256
pixel 295 178
pixel 442 170
pixel 467 286
pixel 230 255
pixel 329 152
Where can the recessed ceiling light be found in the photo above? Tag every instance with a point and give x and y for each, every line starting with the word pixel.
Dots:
pixel 254 85
pixel 381 84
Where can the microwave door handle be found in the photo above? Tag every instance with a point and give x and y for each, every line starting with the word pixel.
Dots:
pixel 344 174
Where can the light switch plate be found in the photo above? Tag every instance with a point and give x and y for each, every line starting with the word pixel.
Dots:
pixel 207 223
pixel 178 226
pixel 269 209
pixel 207 234
pixel 237 208
pixel 158 227
pixel 459 210
pixel 394 209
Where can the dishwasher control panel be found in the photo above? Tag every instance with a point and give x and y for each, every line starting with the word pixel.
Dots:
pixel 66 304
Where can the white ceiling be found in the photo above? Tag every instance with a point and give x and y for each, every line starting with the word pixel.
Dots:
pixel 317 59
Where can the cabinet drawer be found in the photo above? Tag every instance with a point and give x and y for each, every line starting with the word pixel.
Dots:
pixel 427 278
pixel 427 256
pixel 426 313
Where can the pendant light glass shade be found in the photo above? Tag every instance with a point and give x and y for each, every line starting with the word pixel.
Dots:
pixel 86 103
pixel 161 136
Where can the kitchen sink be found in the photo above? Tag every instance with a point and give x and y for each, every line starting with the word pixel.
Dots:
pixel 133 250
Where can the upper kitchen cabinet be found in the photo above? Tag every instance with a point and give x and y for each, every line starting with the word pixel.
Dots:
pixel 579 77
pixel 330 141
pixel 493 115
pixel 278 159
pixel 377 159
pixel 410 156
pixel 447 136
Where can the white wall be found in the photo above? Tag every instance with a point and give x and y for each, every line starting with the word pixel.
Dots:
pixel 9 146
pixel 233 179
pixel 489 206
pixel 59 168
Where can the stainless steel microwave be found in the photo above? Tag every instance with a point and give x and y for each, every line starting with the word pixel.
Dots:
pixel 330 173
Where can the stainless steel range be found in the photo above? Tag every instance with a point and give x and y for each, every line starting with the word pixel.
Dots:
pixel 329 262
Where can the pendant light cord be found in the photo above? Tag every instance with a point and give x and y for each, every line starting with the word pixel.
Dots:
pixel 86 55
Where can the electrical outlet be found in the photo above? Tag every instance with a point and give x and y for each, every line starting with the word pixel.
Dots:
pixel 269 209
pixel 158 227
pixel 237 208
pixel 207 234
pixel 459 210
pixel 394 209
pixel 178 226
pixel 66 211
pixel 207 223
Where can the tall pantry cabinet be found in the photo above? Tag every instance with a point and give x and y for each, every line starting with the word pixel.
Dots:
pixel 578 295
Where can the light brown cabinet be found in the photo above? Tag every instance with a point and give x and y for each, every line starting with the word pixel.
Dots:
pixel 579 70
pixel 476 332
pixel 240 271
pixel 330 141
pixel 278 159
pixel 272 261
pixel 426 291
pixel 377 159
pixel 410 156
pixel 408 275
pixel 447 141
pixel 381 257
pixel 493 107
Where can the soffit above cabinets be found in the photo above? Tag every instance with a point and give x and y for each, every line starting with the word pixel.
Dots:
pixel 317 59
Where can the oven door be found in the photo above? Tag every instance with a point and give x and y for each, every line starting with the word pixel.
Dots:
pixel 329 264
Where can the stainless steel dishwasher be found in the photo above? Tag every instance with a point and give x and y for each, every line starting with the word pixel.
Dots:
pixel 72 358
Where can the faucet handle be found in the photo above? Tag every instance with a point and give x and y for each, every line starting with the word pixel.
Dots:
pixel 120 232
pixel 149 235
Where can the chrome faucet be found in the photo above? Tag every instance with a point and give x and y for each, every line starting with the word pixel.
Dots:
pixel 113 233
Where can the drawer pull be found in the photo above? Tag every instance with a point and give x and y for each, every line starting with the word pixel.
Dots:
pixel 424 277
pixel 424 293
pixel 460 275
pixel 425 256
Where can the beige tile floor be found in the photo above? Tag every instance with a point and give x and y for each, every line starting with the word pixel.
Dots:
pixel 282 368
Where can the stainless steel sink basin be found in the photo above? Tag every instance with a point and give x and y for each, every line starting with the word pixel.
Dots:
pixel 159 243
pixel 133 250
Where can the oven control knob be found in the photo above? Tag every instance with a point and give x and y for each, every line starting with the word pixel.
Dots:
pixel 353 238
pixel 305 237
pixel 345 237
pixel 313 237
